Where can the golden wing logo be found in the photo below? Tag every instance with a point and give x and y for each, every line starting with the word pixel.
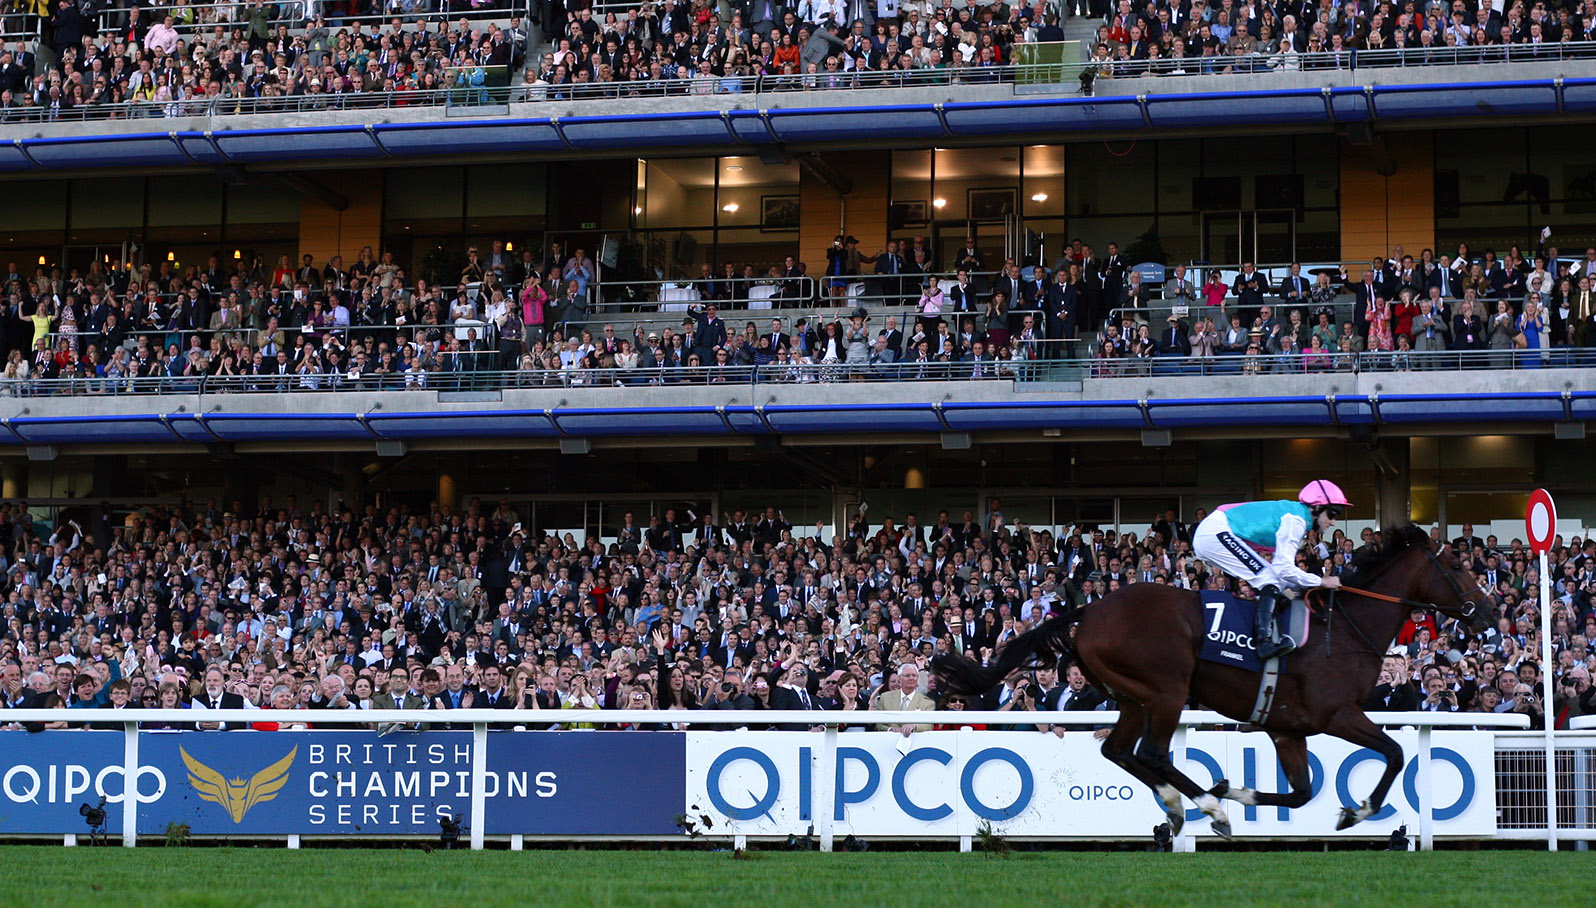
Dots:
pixel 237 795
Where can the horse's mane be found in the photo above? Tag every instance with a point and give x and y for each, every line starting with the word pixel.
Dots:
pixel 1394 542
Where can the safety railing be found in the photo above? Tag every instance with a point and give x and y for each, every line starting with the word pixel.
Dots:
pixel 487 725
pixel 467 377
pixel 1162 312
pixel 1045 78
pixel 1020 360
pixel 1311 362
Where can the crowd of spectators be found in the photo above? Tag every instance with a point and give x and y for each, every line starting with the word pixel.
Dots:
pixel 1398 307
pixel 898 313
pixel 1228 36
pixel 361 607
pixel 364 324
pixel 92 56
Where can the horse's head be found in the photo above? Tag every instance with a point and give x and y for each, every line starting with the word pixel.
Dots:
pixel 1442 581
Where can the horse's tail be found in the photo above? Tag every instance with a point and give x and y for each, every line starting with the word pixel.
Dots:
pixel 1048 641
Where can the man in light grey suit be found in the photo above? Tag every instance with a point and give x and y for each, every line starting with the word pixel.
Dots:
pixel 1178 290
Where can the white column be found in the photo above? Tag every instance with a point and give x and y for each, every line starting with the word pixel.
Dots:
pixel 1185 841
pixel 130 784
pixel 1550 715
pixel 825 786
pixel 479 782
pixel 1425 792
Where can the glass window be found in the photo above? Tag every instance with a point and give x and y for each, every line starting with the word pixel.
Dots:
pixel 435 195
pixel 759 195
pixel 1043 192
pixel 1108 179
pixel 186 201
pixel 979 184
pixel 681 192
pixel 911 190
pixel 109 203
pixel 515 191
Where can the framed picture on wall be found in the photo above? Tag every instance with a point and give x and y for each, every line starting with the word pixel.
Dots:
pixel 992 204
pixel 909 214
pixel 778 212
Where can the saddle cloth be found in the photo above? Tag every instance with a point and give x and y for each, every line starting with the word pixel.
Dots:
pixel 1227 624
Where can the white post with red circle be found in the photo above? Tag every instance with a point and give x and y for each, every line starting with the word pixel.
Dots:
pixel 1540 522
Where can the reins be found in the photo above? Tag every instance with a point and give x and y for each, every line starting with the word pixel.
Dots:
pixel 1410 603
pixel 1330 605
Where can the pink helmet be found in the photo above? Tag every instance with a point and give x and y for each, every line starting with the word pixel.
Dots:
pixel 1322 492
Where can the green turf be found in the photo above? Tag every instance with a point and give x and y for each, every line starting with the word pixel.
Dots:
pixel 42 876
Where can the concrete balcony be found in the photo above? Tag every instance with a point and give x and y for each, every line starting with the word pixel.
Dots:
pixel 927 107
pixel 1079 400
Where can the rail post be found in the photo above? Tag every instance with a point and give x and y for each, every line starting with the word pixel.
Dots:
pixel 130 784
pixel 479 779
pixel 826 788
pixel 1426 794
pixel 1184 842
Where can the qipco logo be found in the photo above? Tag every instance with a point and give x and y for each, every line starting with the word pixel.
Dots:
pixel 921 805
pixel 62 783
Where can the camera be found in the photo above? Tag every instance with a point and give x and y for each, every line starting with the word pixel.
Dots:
pixel 727 687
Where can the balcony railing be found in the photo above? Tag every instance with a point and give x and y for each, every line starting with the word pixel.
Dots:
pixel 1042 78
pixel 1056 361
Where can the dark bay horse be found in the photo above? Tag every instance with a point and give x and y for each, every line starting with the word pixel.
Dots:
pixel 1140 645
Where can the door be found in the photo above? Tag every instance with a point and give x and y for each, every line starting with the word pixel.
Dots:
pixel 1265 237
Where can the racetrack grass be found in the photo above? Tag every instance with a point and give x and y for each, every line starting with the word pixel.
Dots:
pixel 42 876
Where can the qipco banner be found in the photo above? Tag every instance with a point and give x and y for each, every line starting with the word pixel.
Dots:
pixel 1037 784
pixel 346 782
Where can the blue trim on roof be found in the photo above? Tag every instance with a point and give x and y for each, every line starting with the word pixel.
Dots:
pixel 805 419
pixel 998 120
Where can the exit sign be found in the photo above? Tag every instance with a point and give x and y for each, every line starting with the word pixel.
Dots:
pixel 590 225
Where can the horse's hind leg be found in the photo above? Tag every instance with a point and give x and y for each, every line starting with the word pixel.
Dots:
pixel 1120 749
pixel 1350 724
pixel 1293 753
pixel 1162 718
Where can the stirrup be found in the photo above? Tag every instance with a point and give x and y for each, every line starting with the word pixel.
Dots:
pixel 1273 648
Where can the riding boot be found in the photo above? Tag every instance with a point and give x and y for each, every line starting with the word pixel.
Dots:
pixel 1262 638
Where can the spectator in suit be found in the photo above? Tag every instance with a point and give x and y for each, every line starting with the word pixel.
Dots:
pixel 1076 693
pixel 904 694
pixel 1175 339
pixel 215 695
pixel 1179 290
pixel 1249 289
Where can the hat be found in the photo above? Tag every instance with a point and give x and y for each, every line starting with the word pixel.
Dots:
pixel 859 313
pixel 313 558
pixel 653 335
pixel 836 676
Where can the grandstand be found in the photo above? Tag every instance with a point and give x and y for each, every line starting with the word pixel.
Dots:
pixel 430 355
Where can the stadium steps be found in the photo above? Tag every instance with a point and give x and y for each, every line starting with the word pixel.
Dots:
pixel 1083 29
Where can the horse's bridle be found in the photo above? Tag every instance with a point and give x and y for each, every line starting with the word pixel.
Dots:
pixel 1468 612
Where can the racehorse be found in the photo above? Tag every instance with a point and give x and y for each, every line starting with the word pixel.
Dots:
pixel 1140 645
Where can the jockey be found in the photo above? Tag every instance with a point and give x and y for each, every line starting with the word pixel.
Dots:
pixel 1258 542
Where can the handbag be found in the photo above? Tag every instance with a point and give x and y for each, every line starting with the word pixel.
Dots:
pixel 1520 342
